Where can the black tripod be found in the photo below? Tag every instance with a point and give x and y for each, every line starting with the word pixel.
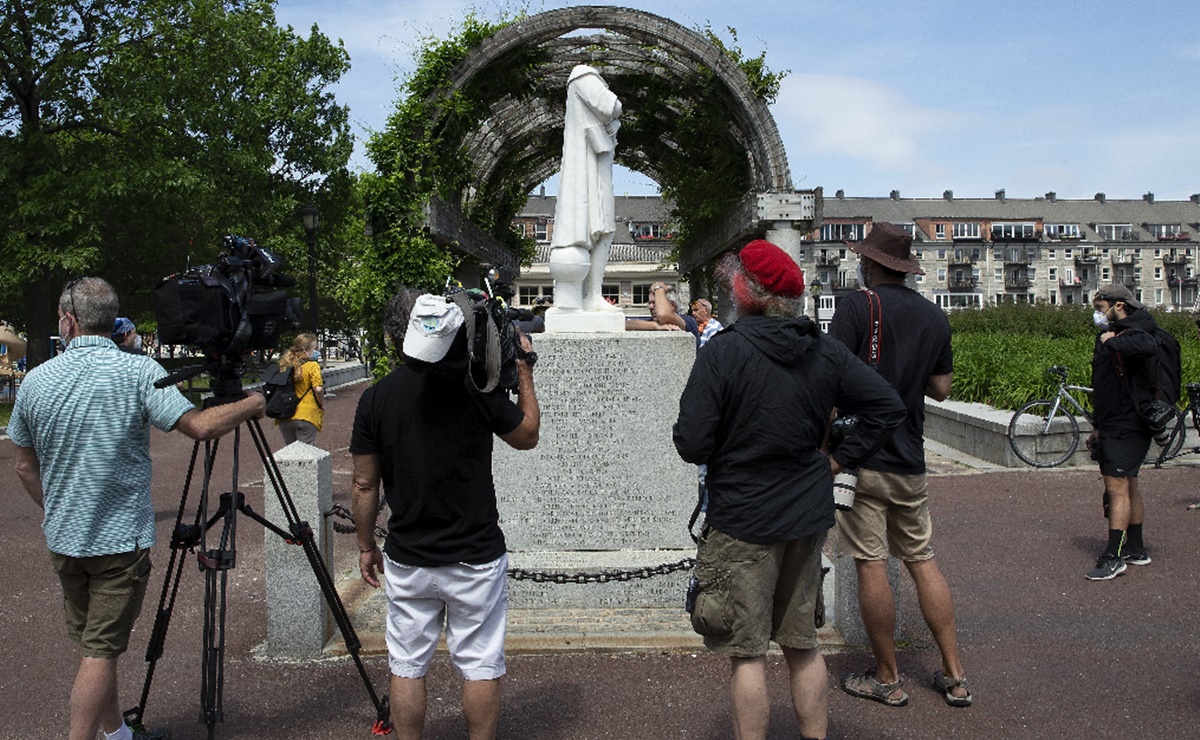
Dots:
pixel 219 560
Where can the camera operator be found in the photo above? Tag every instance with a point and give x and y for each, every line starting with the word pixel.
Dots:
pixel 81 424
pixel 428 439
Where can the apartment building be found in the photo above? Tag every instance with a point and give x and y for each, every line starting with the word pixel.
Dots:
pixel 975 251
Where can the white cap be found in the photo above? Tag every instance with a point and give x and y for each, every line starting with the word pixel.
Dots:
pixel 432 328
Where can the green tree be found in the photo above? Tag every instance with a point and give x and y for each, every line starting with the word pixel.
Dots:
pixel 134 133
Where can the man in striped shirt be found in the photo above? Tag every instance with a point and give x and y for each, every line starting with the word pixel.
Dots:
pixel 81 425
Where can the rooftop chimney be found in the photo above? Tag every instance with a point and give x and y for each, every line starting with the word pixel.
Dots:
pixel 948 195
pixel 1100 197
pixel 542 192
pixel 1148 197
pixel 895 195
pixel 1000 195
pixel 840 194
pixel 1052 196
pixel 1195 198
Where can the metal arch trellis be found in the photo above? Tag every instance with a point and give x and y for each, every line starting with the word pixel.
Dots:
pixel 541 576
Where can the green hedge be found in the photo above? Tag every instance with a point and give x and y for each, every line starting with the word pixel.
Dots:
pixel 1001 353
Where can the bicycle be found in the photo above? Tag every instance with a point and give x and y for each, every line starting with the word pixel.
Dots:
pixel 1045 432
pixel 1174 446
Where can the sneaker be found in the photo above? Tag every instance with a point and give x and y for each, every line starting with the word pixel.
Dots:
pixel 1140 556
pixel 141 733
pixel 1107 568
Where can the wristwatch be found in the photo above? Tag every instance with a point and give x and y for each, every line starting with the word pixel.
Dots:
pixel 529 357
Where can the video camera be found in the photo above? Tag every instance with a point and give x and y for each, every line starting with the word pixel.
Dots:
pixel 234 306
pixel 494 345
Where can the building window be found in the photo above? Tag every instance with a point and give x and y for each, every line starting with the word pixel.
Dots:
pixel 1165 231
pixel 1158 273
pixel 641 294
pixel 1062 231
pixel 941 274
pixel 939 231
pixel 611 292
pixel 528 295
pixel 1115 232
pixel 966 230
pixel 842 232
pixel 1052 274
pixel 1004 232
pixel 1105 275
pixel 539 231
pixel 1069 253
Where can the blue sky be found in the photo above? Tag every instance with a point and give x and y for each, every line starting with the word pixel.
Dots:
pixel 921 96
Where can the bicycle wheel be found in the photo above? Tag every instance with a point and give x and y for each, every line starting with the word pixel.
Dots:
pixel 1042 440
pixel 1174 440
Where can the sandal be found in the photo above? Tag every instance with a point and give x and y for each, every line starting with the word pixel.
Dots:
pixel 945 685
pixel 866 686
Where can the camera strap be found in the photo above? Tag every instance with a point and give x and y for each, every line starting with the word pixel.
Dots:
pixel 875 346
pixel 491 352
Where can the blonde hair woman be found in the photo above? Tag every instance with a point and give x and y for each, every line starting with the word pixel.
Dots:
pixel 310 389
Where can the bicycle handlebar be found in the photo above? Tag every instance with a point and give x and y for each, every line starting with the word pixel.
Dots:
pixel 1058 370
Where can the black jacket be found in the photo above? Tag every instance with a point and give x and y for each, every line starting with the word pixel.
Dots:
pixel 756 408
pixel 1122 374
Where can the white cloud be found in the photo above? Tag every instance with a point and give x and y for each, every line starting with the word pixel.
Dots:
pixel 858 118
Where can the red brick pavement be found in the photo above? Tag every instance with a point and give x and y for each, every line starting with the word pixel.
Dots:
pixel 1049 654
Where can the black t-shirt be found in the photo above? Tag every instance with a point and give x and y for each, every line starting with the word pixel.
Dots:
pixel 434 443
pixel 914 346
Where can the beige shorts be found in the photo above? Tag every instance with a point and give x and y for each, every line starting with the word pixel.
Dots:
pixel 890 514
pixel 102 597
pixel 751 594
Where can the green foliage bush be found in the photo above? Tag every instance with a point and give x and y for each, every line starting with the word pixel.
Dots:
pixel 1001 352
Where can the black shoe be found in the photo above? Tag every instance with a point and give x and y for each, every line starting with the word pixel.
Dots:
pixel 1107 568
pixel 1139 556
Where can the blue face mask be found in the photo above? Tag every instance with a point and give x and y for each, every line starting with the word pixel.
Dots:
pixel 1100 319
pixel 316 354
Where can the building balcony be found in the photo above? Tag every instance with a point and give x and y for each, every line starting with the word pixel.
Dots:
pixel 1016 282
pixel 1020 259
pixel 1017 238
pixel 828 260
pixel 1087 258
pixel 961 283
pixel 1179 237
pixel 1070 283
pixel 956 260
pixel 1174 258
pixel 1067 238
pixel 1123 236
pixel 1185 281
pixel 1123 259
pixel 843 284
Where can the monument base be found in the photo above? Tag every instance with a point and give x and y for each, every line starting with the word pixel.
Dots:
pixel 561 321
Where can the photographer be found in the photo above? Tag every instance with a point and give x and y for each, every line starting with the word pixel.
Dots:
pixel 428 440
pixel 907 339
pixel 81 424
pixel 755 410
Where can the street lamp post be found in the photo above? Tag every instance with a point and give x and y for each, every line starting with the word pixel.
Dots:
pixel 310 216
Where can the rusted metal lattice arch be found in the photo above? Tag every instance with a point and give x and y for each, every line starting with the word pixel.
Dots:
pixel 520 142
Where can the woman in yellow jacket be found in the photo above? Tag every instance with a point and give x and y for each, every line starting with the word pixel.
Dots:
pixel 310 389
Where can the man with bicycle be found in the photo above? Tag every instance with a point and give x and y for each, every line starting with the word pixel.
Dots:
pixel 1122 376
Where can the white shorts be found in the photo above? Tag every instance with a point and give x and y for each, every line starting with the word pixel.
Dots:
pixel 472 600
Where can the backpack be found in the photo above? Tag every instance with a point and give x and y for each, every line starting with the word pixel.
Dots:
pixel 279 388
pixel 1168 367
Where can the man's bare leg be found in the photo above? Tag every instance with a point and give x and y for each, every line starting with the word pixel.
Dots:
pixel 481 708
pixel 937 607
pixel 748 696
pixel 407 697
pixel 878 609
pixel 94 698
pixel 810 690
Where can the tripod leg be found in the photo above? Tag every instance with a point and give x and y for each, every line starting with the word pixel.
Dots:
pixel 183 538
pixel 302 534
pixel 217 564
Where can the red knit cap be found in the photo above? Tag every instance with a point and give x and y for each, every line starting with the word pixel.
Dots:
pixel 773 268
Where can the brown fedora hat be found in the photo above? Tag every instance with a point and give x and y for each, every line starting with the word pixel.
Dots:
pixel 890 246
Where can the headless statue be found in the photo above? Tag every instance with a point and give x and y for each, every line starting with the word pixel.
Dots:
pixel 584 221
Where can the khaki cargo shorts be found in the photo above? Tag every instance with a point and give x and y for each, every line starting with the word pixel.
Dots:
pixel 102 597
pixel 751 594
pixel 890 514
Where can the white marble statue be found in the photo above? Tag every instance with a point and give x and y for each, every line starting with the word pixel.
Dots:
pixel 583 217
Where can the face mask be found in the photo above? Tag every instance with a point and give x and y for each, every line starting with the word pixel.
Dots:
pixel 1100 319
pixel 316 354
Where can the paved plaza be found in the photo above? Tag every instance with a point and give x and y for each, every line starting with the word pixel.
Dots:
pixel 1048 653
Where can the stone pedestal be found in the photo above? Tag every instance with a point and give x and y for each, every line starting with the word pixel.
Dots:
pixel 299 622
pixel 559 321
pixel 605 489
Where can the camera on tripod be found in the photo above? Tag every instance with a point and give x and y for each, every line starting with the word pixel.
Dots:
pixel 236 305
